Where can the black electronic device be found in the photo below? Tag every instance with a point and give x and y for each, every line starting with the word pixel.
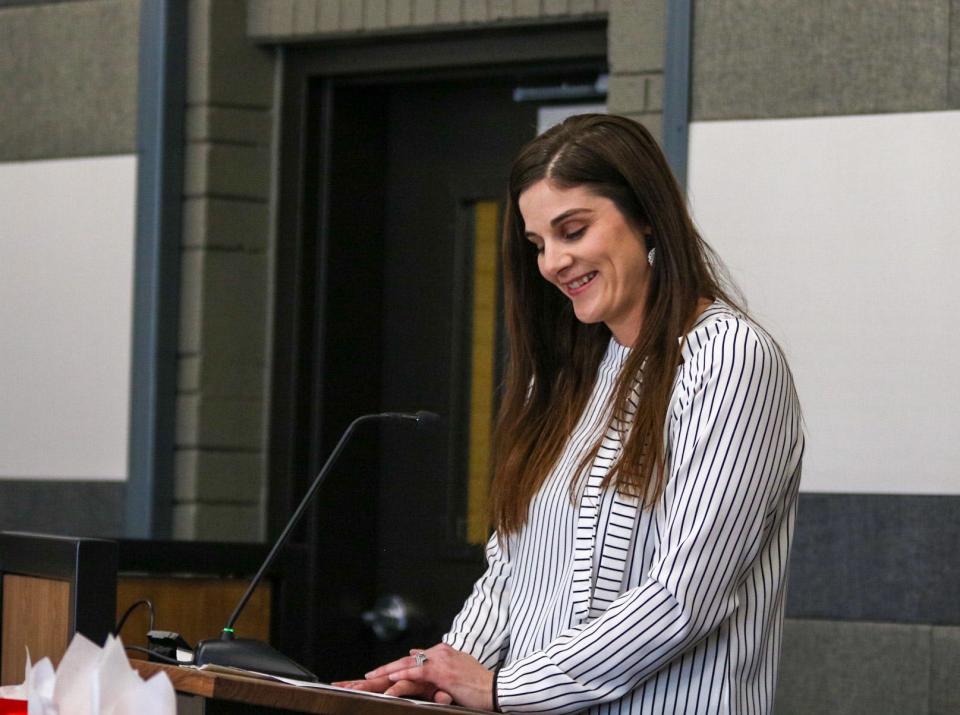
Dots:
pixel 249 654
pixel 168 645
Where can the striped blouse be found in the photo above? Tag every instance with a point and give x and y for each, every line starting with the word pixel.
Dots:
pixel 604 607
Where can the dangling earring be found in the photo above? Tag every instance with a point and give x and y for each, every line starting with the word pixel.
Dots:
pixel 652 255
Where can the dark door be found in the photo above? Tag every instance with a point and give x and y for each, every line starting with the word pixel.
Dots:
pixel 447 164
pixel 403 314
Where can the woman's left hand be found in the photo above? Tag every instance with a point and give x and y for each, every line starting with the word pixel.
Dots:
pixel 447 669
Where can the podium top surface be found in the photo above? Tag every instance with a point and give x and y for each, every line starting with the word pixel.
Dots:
pixel 255 691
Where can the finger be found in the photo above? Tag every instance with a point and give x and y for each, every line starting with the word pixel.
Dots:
pixel 399 664
pixel 376 685
pixel 442 698
pixel 407 689
pixel 417 674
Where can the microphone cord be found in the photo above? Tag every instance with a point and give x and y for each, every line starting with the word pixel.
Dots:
pixel 152 654
pixel 126 614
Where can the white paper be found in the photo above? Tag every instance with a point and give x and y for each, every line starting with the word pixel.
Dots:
pixel 116 680
pixel 39 685
pixel 75 682
pixel 153 697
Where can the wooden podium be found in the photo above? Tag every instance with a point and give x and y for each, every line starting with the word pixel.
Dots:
pixel 215 693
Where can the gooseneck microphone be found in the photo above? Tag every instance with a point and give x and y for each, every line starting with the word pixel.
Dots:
pixel 250 654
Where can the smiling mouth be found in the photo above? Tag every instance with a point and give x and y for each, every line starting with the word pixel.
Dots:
pixel 575 286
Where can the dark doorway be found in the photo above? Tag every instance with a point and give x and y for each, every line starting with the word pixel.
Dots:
pixel 388 300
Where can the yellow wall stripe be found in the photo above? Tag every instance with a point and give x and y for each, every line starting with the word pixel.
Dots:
pixel 484 339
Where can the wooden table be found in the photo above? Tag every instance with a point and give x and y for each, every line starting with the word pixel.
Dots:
pixel 214 693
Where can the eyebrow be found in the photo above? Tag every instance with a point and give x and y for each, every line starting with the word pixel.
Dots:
pixel 561 218
pixel 567 214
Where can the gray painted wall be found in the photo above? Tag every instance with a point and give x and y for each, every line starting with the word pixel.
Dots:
pixel 68 79
pixel 794 58
pixel 869 668
pixel 71 508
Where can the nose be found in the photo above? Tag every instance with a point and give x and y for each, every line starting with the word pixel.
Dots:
pixel 554 259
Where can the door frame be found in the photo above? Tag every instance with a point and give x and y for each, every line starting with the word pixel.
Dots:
pixel 310 74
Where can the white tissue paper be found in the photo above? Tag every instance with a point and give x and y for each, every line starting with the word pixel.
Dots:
pixel 92 681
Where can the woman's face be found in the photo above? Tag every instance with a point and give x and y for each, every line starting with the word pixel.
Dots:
pixel 591 252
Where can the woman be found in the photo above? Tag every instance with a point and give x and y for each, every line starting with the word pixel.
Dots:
pixel 648 451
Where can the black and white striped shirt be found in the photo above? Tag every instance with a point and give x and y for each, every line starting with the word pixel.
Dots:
pixel 604 607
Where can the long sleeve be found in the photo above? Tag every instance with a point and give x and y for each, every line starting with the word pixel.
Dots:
pixel 482 626
pixel 734 447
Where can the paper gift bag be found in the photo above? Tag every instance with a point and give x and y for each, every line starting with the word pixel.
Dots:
pixel 92 681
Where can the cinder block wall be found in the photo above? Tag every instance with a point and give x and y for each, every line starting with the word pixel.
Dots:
pixel 636 41
pixel 225 275
pixel 225 297
pixel 636 32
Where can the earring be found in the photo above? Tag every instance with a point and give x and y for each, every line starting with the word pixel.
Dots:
pixel 651 255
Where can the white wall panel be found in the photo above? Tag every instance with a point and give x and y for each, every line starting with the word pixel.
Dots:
pixel 843 234
pixel 66 267
pixel 549 115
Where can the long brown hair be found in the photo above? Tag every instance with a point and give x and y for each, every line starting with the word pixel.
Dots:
pixel 553 357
